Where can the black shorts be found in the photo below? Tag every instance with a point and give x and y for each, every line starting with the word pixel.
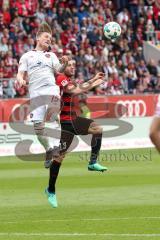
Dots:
pixel 79 126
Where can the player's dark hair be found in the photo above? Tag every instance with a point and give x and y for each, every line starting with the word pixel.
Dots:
pixel 44 27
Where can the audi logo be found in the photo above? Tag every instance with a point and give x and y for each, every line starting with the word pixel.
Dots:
pixel 133 108
pixel 19 112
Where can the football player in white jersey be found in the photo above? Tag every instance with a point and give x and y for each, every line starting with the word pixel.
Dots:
pixel 40 65
pixel 155 127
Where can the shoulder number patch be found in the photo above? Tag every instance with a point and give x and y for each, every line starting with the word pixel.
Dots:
pixel 64 82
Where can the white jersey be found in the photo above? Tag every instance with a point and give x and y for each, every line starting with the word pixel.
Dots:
pixel 40 67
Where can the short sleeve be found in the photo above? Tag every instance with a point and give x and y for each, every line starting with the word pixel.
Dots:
pixel 62 81
pixel 23 64
pixel 55 62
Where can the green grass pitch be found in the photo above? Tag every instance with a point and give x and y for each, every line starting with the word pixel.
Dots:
pixel 121 204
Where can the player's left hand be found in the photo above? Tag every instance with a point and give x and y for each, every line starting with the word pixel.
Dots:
pixel 99 75
pixel 98 82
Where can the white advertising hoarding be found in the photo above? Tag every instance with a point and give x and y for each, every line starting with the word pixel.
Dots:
pixel 114 137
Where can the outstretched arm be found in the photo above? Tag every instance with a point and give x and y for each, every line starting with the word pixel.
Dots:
pixel 81 88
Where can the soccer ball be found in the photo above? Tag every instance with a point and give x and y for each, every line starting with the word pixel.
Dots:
pixel 112 30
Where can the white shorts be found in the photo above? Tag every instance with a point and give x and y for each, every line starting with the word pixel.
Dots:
pixel 54 131
pixel 43 105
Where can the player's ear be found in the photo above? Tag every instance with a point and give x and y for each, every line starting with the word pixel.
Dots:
pixel 38 36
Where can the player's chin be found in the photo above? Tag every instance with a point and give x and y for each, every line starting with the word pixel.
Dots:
pixel 45 46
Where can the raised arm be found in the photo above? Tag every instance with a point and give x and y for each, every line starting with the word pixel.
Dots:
pixel 81 88
pixel 59 65
pixel 64 62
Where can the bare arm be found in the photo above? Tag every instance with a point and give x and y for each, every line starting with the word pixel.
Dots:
pixel 21 78
pixel 99 75
pixel 81 88
pixel 64 62
pixel 60 65
pixel 22 71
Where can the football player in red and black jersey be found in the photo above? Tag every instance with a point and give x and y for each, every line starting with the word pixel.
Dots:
pixel 72 125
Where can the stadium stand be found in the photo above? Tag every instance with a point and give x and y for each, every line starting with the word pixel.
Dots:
pixel 78 31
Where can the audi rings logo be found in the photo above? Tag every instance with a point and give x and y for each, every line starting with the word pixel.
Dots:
pixel 133 108
pixel 19 112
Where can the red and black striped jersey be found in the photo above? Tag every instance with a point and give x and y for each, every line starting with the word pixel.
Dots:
pixel 68 112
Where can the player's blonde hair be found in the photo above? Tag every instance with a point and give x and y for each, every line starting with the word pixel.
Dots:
pixel 44 27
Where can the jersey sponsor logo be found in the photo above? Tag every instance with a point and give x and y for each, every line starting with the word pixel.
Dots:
pixel 133 108
pixel 38 64
pixel 64 82
pixel 47 55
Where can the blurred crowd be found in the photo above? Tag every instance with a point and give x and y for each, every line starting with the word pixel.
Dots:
pixel 78 32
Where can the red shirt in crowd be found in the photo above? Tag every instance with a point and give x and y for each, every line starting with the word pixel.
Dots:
pixel 6 17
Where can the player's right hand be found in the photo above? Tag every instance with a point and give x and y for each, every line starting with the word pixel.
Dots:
pixel 99 75
pixel 19 83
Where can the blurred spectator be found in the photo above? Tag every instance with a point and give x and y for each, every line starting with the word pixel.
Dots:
pixel 88 57
pixel 127 58
pixel 80 58
pixel 82 13
pixel 138 89
pixel 138 54
pixel 3 45
pixel 82 35
pixel 41 14
pixel 72 46
pixel 157 87
pixel 158 67
pixel 123 16
pixel 112 67
pixel 66 36
pixel 149 88
pixel 1 86
pixel 145 79
pixel 141 68
pixel 121 4
pixel 150 30
pixel 134 10
pixel 152 67
pixel 6 15
pixel 80 78
pixel 8 89
pixel 94 36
